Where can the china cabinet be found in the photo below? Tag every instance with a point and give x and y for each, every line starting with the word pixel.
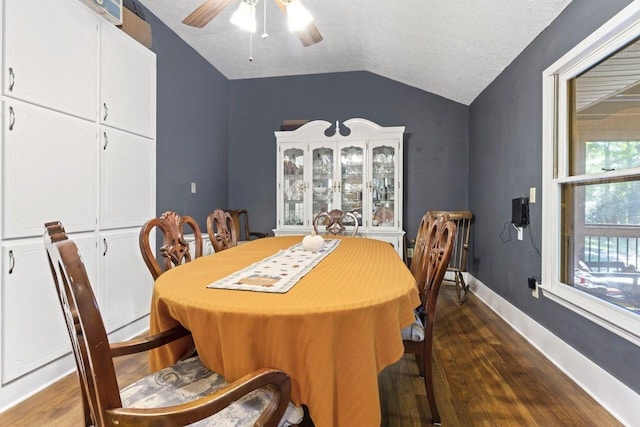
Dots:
pixel 356 167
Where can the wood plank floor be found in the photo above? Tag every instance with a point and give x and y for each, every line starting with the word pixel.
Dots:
pixel 485 375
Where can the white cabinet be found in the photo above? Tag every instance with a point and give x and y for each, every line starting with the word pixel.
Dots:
pixel 125 282
pixel 51 55
pixel 319 169
pixel 128 84
pixel 50 170
pixel 127 179
pixel 33 330
pixel 62 159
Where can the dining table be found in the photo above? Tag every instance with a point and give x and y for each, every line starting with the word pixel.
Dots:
pixel 333 331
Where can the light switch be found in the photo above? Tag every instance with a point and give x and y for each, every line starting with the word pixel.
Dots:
pixel 193 187
pixel 532 195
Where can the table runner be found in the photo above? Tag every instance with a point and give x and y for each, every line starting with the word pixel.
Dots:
pixel 277 273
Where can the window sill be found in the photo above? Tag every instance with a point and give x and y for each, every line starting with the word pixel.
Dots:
pixel 615 319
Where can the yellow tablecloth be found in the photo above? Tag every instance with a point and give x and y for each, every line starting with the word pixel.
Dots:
pixel 333 332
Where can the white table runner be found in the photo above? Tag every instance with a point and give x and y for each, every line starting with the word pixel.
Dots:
pixel 277 273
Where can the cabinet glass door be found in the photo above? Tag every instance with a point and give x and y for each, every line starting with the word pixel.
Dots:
pixel 323 167
pixel 352 180
pixel 293 187
pixel 383 186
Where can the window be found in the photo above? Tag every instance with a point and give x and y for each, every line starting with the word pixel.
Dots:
pixel 591 177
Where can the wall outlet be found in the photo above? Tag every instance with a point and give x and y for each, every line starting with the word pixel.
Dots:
pixel 409 252
pixel 532 195
pixel 533 285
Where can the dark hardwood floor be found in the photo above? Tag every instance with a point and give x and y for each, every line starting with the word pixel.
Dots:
pixel 485 375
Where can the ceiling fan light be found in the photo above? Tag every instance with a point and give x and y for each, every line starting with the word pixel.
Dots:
pixel 298 17
pixel 245 17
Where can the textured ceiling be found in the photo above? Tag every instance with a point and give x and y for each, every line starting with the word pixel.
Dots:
pixel 452 48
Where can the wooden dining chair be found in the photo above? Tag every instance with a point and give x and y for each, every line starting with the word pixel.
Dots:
pixel 222 230
pixel 241 221
pixel 434 245
pixel 181 394
pixel 175 249
pixel 334 222
pixel 458 262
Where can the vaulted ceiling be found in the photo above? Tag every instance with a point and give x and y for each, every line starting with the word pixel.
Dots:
pixel 452 48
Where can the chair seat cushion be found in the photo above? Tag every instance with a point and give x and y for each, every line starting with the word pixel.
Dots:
pixel 415 331
pixel 190 379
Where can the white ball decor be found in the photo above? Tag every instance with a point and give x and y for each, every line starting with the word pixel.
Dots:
pixel 313 242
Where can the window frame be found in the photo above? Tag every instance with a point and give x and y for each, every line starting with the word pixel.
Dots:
pixel 620 30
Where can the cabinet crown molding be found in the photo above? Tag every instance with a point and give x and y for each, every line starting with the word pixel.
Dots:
pixel 357 128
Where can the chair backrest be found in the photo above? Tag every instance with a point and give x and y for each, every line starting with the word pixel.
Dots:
pixel 174 250
pixel 463 220
pixel 334 222
pixel 438 249
pixel 84 324
pixel 420 250
pixel 222 230
pixel 241 221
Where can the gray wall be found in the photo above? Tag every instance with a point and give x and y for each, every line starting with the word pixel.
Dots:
pixel 191 128
pixel 505 125
pixel 205 120
pixel 436 140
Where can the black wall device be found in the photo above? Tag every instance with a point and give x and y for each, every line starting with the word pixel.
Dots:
pixel 520 211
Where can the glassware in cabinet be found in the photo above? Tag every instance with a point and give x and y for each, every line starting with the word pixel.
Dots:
pixel 323 181
pixel 383 185
pixel 351 183
pixel 293 187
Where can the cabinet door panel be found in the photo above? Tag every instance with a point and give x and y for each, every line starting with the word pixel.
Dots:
pixel 50 170
pixel 33 330
pixel 352 174
pixel 127 179
pixel 294 187
pixel 385 194
pixel 324 181
pixel 51 55
pixel 126 283
pixel 128 85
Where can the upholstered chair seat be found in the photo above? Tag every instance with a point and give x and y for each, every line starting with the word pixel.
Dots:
pixel 190 379
pixel 415 331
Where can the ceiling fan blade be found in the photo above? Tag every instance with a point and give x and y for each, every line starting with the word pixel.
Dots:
pixel 206 12
pixel 310 35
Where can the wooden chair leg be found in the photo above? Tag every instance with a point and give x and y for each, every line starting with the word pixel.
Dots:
pixel 461 287
pixel 86 411
pixel 420 362
pixel 428 385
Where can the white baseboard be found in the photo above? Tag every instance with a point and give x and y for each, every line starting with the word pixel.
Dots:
pixel 613 395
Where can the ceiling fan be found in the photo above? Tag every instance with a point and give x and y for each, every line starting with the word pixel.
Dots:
pixel 208 10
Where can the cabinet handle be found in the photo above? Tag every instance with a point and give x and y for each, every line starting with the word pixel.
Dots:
pixel 106 140
pixel 106 247
pixel 12 118
pixel 12 261
pixel 106 111
pixel 12 79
